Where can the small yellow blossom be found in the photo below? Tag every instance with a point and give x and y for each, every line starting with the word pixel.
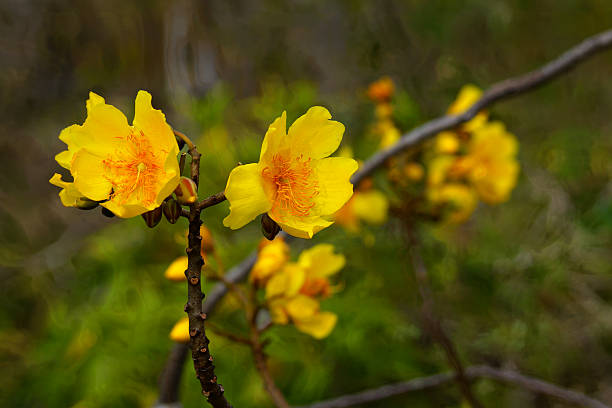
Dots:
pixel 286 304
pixel 319 263
pixel 446 143
pixel 294 181
pixel 388 132
pixel 490 163
pixel 180 331
pixel 414 171
pixel 381 90
pixel 383 111
pixel 129 169
pixel 459 201
pixel 271 259
pixel 370 206
pixel 468 95
pixel 176 271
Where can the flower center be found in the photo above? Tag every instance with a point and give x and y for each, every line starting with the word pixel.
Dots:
pixel 295 188
pixel 134 170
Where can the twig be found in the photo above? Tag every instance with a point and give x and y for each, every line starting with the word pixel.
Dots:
pixel 259 356
pixel 212 200
pixel 170 378
pixel 230 336
pixel 199 343
pixel 432 322
pixel 501 90
pixel 423 383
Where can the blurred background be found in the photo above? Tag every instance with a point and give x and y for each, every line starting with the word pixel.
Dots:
pixel 85 311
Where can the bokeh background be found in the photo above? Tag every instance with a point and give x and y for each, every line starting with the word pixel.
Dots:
pixel 84 308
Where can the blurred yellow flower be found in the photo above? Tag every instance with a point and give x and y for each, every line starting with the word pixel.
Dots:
pixel 294 181
pixel 272 257
pixel 293 293
pixel 381 90
pixel 414 171
pixel 490 163
pixel 286 304
pixel 130 169
pixel 370 206
pixel 458 200
pixel 180 331
pixel 319 263
pixel 468 95
pixel 176 271
pixel 446 142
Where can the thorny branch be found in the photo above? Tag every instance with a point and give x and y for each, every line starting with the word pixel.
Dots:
pixel 431 321
pixel 497 92
pixel 474 372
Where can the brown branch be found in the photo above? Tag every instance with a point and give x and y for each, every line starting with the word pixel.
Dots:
pixel 228 335
pixel 501 90
pixel 212 200
pixel 423 383
pixel 170 378
pixel 199 343
pixel 432 323
pixel 259 356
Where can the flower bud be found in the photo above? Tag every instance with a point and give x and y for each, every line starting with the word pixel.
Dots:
pixel 186 191
pixel 172 210
pixel 269 227
pixel 84 203
pixel 107 213
pixel 153 217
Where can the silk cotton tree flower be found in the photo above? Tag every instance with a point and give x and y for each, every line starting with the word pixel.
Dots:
pixel 128 169
pixel 294 182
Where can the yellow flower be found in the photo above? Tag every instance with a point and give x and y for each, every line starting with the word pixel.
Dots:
pixel 130 169
pixel 491 163
pixel 414 171
pixel 271 259
pixel 294 181
pixel 381 90
pixel 286 304
pixel 370 206
pixel 180 331
pixel 176 271
pixel 458 199
pixel 468 95
pixel 319 263
pixel 447 142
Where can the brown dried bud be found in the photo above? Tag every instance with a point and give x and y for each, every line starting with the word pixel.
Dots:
pixel 269 227
pixel 172 210
pixel 153 217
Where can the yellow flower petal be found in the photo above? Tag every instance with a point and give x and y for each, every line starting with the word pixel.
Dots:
pixel 94 100
pixel 287 283
pixel 468 95
pixel 302 307
pixel 180 331
pixel 321 261
pixel 303 227
pixel 246 195
pixel 176 270
pixel 274 139
pixel 314 135
pixel 333 177
pixel 103 131
pixel 89 176
pixel 371 206
pixel 319 325
pixel 69 195
pixel 153 123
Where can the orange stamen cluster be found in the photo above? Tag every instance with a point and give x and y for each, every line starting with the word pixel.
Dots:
pixel 316 287
pixel 134 170
pixel 295 188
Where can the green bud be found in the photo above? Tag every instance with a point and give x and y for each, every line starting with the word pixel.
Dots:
pixel 172 210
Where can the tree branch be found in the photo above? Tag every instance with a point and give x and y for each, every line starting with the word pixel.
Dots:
pixel 433 324
pixel 423 383
pixel 199 343
pixel 212 200
pixel 501 90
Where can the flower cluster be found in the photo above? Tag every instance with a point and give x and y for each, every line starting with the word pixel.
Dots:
pixel 293 290
pixel 475 161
